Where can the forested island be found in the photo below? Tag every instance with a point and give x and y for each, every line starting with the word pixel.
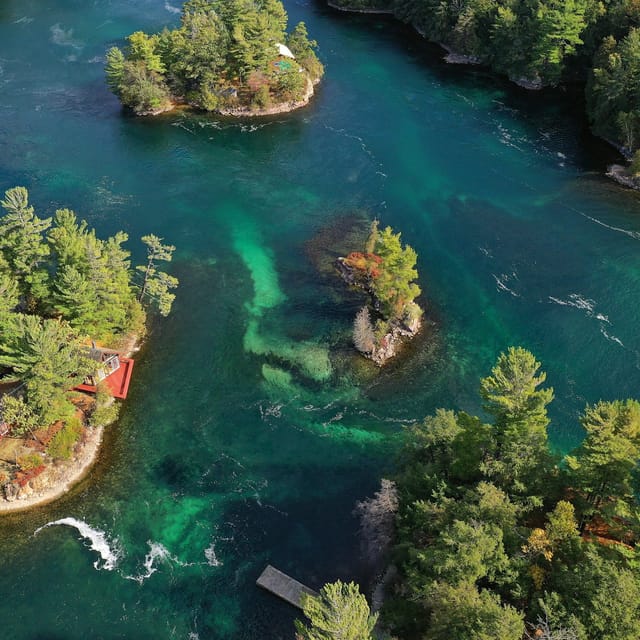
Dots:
pixel 386 271
pixel 540 43
pixel 230 57
pixel 497 537
pixel 64 292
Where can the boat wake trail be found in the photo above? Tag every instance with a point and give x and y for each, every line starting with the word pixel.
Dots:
pixel 109 552
pixel 588 306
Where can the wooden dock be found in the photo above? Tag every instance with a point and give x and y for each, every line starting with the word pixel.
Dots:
pixel 283 586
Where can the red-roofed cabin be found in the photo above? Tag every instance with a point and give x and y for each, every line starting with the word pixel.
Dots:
pixel 114 370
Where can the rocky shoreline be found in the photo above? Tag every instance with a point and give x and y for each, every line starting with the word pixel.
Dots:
pixel 57 479
pixel 388 12
pixel 621 175
pixel 282 107
pixel 243 112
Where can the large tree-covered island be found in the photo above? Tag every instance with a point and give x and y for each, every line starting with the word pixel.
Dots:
pixel 232 57
pixel 66 296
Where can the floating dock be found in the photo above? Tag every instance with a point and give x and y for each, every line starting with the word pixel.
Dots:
pixel 283 586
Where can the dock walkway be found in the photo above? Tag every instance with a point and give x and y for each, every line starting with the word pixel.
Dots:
pixel 283 586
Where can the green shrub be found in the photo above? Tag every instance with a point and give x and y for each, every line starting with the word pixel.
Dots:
pixel 262 97
pixel 19 415
pixel 292 84
pixel 143 90
pixel 208 100
pixel 61 446
pixel 104 414
pixel 30 461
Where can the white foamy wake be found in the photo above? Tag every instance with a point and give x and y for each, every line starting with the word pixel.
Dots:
pixel 109 553
pixel 577 301
pixel 157 552
pixel 210 555
pixel 588 306
pixel 502 280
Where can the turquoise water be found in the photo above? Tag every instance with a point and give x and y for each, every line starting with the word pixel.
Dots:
pixel 251 429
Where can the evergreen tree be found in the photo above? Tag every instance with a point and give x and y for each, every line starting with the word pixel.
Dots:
pixel 22 244
pixel 210 60
pixel 305 50
pixel 157 284
pixel 393 286
pixel 340 612
pixel 475 548
pixel 195 54
pixel 605 467
pixel 614 88
pixel 91 284
pixel 47 357
pixel 511 392
pixel 115 69
pixel 144 48
pixel 9 295
pixel 465 613
pixel 512 397
pixel 557 28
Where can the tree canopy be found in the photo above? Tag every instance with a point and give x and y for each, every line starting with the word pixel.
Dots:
pixel 340 612
pixel 499 538
pixel 62 287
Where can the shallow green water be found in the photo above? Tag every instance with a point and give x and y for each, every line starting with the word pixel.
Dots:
pixel 250 430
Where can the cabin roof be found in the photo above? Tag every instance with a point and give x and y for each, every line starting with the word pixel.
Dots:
pixel 283 50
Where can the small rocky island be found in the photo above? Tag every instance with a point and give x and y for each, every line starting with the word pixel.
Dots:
pixel 386 271
pixel 227 57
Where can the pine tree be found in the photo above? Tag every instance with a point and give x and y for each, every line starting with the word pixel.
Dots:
pixel 305 50
pixel 556 31
pixel 511 392
pixel 91 284
pixel 605 466
pixel 340 612
pixel 519 408
pixel 9 294
pixel 22 244
pixel 47 357
pixel 115 69
pixel 394 287
pixel 157 284
pixel 613 90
